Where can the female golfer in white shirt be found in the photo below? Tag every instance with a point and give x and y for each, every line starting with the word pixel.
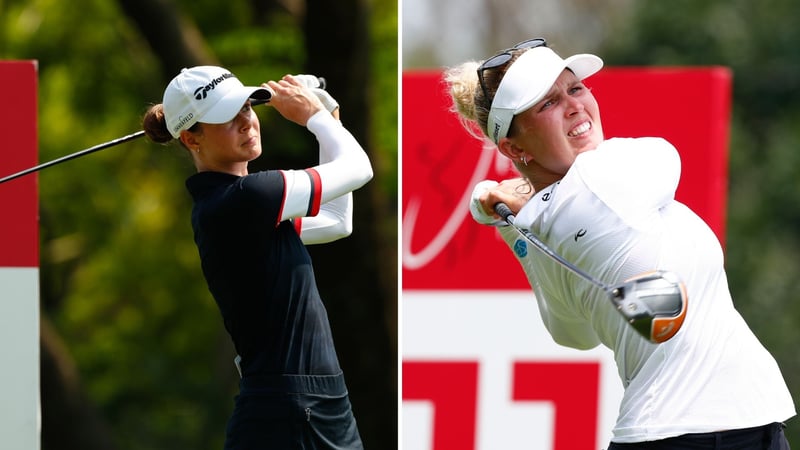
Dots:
pixel 608 207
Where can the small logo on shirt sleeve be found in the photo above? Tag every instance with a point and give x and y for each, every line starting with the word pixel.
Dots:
pixel 520 248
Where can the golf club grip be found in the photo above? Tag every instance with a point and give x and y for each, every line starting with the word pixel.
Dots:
pixel 323 84
pixel 505 212
pixel 306 80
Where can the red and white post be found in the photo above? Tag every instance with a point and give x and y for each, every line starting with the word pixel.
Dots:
pixel 20 416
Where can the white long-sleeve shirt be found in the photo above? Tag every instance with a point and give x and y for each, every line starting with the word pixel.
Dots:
pixel 614 215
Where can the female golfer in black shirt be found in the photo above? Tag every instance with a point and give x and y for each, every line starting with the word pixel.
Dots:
pixel 250 230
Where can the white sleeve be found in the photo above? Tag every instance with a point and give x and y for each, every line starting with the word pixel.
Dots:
pixel 572 332
pixel 633 176
pixel 334 221
pixel 344 166
pixel 347 169
pixel 320 198
pixel 335 218
pixel 562 332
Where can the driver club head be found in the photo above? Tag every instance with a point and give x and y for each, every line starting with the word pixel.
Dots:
pixel 654 303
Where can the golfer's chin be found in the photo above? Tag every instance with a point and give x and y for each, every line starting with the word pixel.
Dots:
pixel 253 152
pixel 590 143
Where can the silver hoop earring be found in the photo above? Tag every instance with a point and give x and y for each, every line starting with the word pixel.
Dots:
pixel 523 160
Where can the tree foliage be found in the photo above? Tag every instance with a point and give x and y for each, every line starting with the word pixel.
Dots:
pixel 134 353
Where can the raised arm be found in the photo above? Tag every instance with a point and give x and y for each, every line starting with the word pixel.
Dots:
pixel 319 198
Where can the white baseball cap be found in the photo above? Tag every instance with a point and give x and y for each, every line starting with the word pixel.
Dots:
pixel 528 80
pixel 207 94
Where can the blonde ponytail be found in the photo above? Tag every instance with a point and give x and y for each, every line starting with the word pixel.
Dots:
pixel 465 91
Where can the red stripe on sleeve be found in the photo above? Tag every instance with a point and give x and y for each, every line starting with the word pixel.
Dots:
pixel 298 225
pixel 315 199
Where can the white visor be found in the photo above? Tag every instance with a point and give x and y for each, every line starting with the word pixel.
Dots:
pixel 528 80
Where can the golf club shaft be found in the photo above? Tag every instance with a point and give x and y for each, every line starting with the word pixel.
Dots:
pixel 505 212
pixel 74 155
pixel 320 81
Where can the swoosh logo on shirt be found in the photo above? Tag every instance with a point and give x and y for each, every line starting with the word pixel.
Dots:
pixel 546 195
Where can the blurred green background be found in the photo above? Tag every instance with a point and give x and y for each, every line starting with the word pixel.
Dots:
pixel 757 39
pixel 134 355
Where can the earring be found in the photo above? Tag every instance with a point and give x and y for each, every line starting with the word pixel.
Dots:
pixel 523 160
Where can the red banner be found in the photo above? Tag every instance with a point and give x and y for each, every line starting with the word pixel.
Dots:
pixel 442 248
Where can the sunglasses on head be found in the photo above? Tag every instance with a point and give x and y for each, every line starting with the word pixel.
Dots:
pixel 503 57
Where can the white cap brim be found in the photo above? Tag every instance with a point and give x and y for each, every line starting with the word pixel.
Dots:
pixel 528 81
pixel 231 103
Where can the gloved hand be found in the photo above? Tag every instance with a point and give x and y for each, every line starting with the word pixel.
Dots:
pixel 317 86
pixel 478 214
pixel 327 101
pixel 311 81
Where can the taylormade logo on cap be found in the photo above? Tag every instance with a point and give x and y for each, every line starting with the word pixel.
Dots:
pixel 207 94
pixel 202 92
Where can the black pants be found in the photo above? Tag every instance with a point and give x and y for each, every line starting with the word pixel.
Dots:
pixel 293 412
pixel 767 437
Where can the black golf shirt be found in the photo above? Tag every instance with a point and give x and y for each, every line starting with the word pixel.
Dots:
pixel 260 275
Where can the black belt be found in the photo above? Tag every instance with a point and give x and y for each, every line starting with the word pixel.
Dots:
pixel 295 384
